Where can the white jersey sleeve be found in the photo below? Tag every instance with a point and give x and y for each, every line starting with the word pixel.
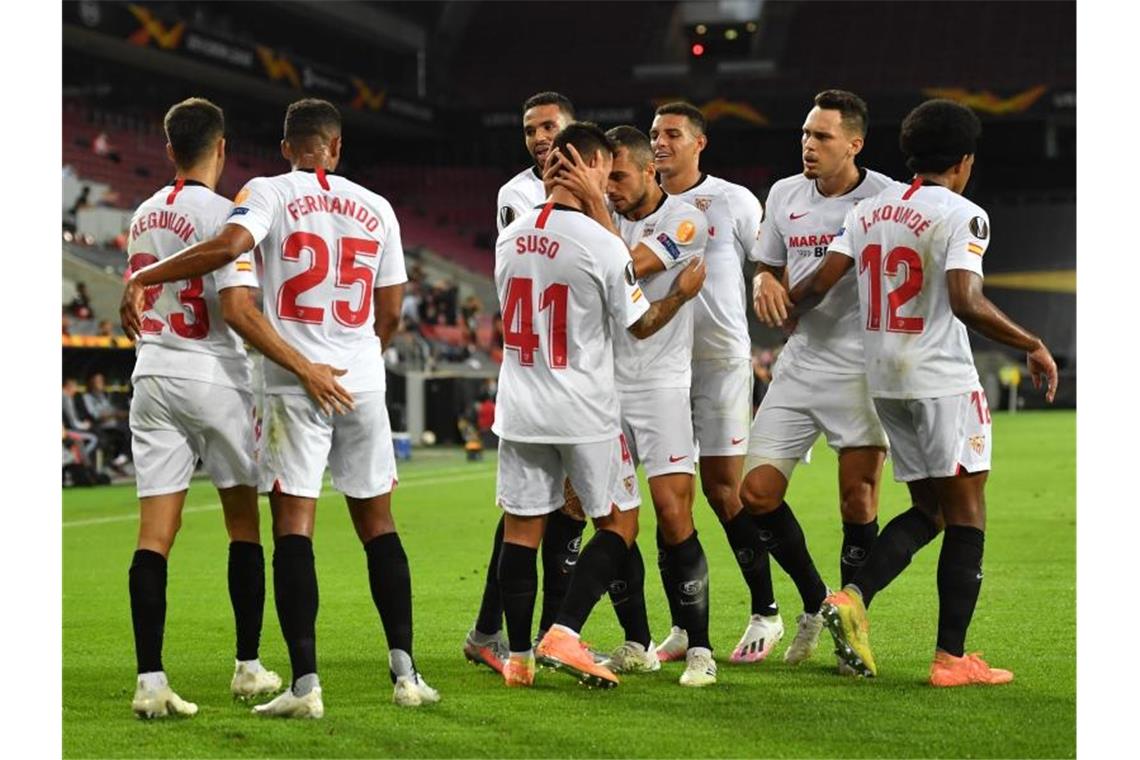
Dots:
pixel 624 298
pixel 392 270
pixel 680 234
pixel 256 207
pixel 770 248
pixel 841 243
pixel 749 215
pixel 519 195
pixel 968 233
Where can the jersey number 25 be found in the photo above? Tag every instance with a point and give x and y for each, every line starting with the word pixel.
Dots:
pixel 347 274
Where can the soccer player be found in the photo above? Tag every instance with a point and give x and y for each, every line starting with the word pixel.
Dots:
pixel 722 364
pixel 819 383
pixel 544 116
pixel 561 279
pixel 918 251
pixel 332 258
pixel 663 233
pixel 192 401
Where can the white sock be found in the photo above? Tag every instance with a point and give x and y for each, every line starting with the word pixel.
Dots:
pixel 563 628
pixel 527 653
pixel 400 663
pixel 253 666
pixel 305 684
pixel 153 681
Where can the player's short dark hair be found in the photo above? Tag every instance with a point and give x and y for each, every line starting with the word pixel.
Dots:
pixel 550 98
pixel 586 137
pixel 688 110
pixel 192 128
pixel 633 140
pixel 937 134
pixel 311 117
pixel 852 109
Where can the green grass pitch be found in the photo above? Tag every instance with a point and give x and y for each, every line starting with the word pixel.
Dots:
pixel 1026 621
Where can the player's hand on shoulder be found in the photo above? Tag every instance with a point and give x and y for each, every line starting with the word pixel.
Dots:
pixel 321 385
pixel 1043 369
pixel 770 299
pixel 131 308
pixel 691 278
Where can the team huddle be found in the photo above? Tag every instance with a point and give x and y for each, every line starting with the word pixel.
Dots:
pixel 620 273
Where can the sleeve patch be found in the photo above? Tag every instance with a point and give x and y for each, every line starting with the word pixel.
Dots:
pixel 506 215
pixel 670 246
pixel 239 211
pixel 241 196
pixel 637 294
pixel 975 249
pixel 979 228
pixel 686 231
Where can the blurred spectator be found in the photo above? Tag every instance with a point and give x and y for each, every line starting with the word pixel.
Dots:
pixel 78 463
pixel 102 147
pixel 66 327
pixel 75 423
pixel 83 200
pixel 106 329
pixel 110 421
pixel 410 307
pixel 80 306
pixel 470 311
pixel 497 337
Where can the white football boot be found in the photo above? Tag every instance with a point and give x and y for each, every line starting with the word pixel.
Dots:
pixel 700 668
pixel 158 700
pixel 288 705
pixel 413 691
pixel 252 680
pixel 675 645
pixel 759 639
pixel 632 657
pixel 808 627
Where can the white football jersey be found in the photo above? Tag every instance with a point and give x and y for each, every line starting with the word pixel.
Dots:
pixel 561 279
pixel 904 240
pixel 519 195
pixel 183 334
pixel 720 322
pixel 799 224
pixel 676 231
pixel 324 247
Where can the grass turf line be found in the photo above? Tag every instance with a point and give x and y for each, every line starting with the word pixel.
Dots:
pixel 1026 621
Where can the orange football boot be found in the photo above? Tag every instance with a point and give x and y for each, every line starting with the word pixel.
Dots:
pixel 948 670
pixel 562 651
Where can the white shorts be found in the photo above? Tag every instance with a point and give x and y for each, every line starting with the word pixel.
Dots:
pixel 722 406
pixel 175 422
pixel 658 426
pixel 802 403
pixel 298 440
pixel 532 477
pixel 938 437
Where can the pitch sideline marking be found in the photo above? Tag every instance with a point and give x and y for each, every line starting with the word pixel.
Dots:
pixel 403 485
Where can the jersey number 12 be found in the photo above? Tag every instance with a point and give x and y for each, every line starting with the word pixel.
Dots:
pixel 872 261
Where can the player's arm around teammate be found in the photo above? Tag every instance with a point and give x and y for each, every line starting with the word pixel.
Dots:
pixel 247 320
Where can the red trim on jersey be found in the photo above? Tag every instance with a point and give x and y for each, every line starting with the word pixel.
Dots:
pixel 323 179
pixel 913 188
pixel 178 185
pixel 541 223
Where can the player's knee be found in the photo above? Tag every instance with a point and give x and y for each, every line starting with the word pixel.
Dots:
pixel 722 497
pixel 675 519
pixel 857 503
pixel 760 494
pixel 625 524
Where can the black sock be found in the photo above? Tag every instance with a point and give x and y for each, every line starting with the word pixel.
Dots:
pixel 689 571
pixel 148 607
pixel 857 542
pixel 490 620
pixel 518 579
pixel 744 538
pixel 667 582
pixel 297 599
pixel 784 539
pixel 391 583
pixel 627 594
pixel 247 595
pixel 959 582
pixel 893 550
pixel 560 545
pixel 598 564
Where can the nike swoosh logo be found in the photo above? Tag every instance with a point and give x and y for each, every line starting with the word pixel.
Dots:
pixel 793 217
pixel 674 459
pixel 736 441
